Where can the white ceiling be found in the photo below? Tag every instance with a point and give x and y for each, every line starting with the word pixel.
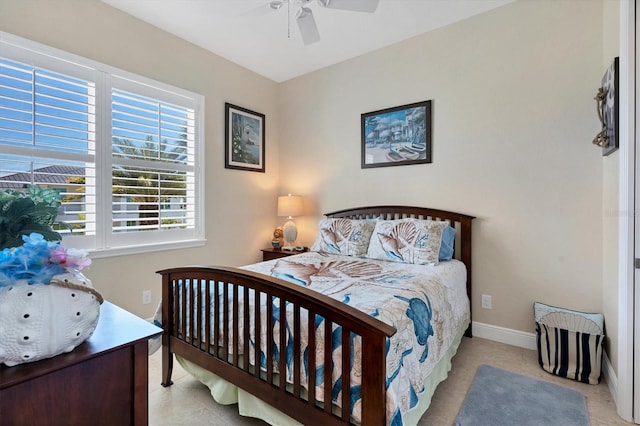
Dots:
pixel 251 34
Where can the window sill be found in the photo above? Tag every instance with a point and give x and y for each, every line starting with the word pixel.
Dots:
pixel 147 248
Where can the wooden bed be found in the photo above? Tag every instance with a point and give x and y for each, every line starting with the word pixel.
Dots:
pixel 200 342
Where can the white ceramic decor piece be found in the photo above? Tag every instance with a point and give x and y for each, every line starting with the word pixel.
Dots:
pixel 44 320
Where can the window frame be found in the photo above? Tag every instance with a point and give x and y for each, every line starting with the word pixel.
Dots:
pixel 105 243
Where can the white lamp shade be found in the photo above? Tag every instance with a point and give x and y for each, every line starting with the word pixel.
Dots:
pixel 289 205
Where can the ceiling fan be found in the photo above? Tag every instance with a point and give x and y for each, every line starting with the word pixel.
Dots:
pixel 307 23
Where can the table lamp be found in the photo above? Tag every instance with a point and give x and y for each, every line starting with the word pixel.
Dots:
pixel 290 206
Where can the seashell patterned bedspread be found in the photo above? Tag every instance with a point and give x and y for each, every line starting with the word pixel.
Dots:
pixel 426 304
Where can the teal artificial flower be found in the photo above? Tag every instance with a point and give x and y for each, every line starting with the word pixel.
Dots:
pixel 38 261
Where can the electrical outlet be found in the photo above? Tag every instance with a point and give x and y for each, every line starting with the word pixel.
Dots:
pixel 146 297
pixel 486 301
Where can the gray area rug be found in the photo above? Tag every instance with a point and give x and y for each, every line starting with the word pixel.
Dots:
pixel 500 397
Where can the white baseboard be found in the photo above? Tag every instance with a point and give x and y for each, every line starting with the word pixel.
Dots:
pixel 526 340
pixel 610 376
pixel 509 336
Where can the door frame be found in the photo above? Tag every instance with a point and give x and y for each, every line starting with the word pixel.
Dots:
pixel 628 407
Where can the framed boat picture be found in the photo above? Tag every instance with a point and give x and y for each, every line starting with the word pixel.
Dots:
pixel 396 136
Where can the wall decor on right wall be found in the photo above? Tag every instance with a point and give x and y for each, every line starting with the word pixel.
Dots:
pixel 607 100
pixel 396 136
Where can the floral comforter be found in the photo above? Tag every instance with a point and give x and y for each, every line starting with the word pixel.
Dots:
pixel 426 304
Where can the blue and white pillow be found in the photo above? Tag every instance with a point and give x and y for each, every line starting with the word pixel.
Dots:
pixel 447 245
pixel 407 240
pixel 343 236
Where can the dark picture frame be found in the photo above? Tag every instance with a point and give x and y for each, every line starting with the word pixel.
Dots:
pixel 396 136
pixel 610 108
pixel 244 142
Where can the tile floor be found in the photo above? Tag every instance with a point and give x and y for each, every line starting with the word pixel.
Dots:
pixel 188 402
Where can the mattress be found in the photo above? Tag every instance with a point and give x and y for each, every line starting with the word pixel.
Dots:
pixel 428 306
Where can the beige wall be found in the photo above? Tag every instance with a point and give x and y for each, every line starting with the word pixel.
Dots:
pixel 513 120
pixel 240 206
pixel 610 199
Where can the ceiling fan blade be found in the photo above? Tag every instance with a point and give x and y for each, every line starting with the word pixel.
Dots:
pixel 354 5
pixel 307 25
pixel 267 7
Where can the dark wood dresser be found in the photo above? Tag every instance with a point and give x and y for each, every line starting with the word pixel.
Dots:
pixel 104 381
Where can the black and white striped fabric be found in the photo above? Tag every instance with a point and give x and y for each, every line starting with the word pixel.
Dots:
pixel 569 342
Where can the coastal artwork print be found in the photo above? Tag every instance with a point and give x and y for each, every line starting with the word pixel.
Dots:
pixel 397 136
pixel 244 139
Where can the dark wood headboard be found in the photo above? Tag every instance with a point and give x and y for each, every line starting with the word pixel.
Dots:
pixel 461 222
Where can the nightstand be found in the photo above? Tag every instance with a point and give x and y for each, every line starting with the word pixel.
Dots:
pixel 273 253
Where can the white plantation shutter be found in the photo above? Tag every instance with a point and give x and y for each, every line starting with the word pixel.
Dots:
pixel 123 151
pixel 153 161
pixel 47 137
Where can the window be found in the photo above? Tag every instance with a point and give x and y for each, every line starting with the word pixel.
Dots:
pixel 123 151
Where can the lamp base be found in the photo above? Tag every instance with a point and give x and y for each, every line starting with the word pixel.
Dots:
pixel 290 233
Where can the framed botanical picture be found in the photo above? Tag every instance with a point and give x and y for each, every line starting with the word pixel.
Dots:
pixel 244 139
pixel 397 136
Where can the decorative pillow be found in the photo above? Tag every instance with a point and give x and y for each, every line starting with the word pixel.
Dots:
pixel 448 240
pixel 569 342
pixel 343 236
pixel 407 240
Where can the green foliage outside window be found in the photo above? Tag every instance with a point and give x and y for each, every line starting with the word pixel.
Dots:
pixel 22 213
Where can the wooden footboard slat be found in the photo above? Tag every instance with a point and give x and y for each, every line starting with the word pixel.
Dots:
pixel 296 351
pixel 198 312
pixel 183 310
pixel 225 318
pixel 235 325
pixel 269 342
pixel 192 328
pixel 216 317
pixel 247 331
pixel 328 368
pixel 311 355
pixel 257 333
pixel 346 376
pixel 188 294
pixel 282 362
pixel 207 324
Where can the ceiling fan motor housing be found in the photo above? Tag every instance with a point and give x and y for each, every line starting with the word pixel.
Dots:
pixel 306 21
